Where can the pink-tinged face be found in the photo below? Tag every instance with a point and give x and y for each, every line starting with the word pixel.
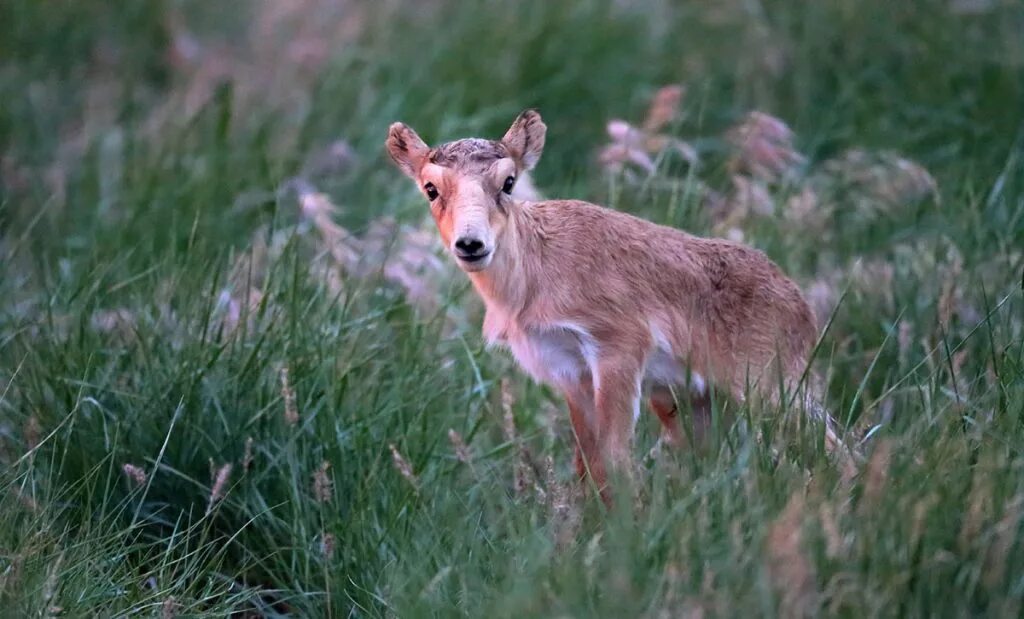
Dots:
pixel 469 183
pixel 470 208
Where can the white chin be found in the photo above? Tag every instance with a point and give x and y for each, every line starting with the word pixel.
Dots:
pixel 473 267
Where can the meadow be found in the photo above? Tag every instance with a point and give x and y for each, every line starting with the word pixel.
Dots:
pixel 239 377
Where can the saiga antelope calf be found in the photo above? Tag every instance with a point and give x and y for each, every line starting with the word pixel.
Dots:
pixel 600 304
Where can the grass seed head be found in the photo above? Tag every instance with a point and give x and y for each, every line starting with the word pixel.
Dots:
pixel 169 608
pixel 403 467
pixel 763 148
pixel 328 542
pixel 323 485
pixel 136 474
pixel 220 484
pixel 508 419
pixel 665 107
pixel 291 410
pixel 638 147
pixel 462 453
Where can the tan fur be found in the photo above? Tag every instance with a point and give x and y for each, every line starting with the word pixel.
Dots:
pixel 590 299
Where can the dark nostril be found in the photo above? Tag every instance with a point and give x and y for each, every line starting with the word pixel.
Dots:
pixel 469 246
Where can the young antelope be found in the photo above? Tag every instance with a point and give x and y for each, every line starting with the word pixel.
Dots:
pixel 604 306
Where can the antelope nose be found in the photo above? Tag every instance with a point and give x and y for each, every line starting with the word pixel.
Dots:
pixel 468 246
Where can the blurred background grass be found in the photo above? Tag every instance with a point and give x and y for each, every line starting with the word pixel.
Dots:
pixel 235 377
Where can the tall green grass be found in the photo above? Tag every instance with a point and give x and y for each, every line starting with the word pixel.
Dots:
pixel 123 240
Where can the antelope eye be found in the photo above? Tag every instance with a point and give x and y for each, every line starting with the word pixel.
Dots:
pixel 431 191
pixel 509 184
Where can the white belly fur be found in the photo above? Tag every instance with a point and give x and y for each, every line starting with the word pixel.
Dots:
pixel 566 353
pixel 554 356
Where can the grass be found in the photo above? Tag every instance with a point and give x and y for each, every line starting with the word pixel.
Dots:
pixel 158 278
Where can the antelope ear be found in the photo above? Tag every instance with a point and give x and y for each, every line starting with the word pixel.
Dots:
pixel 406 148
pixel 525 138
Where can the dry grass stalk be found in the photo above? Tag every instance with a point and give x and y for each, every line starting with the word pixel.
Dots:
pixel 247 455
pixel 874 277
pixel 978 509
pixel 835 546
pixel 822 294
pixel 32 432
pixel 876 474
pixel 318 209
pixel 406 255
pixel 28 501
pixel 637 147
pixel 328 542
pixel 462 453
pixel 563 508
pixel 749 197
pixel 220 484
pixel 169 608
pixel 664 109
pixel 323 485
pixel 410 258
pixel 789 567
pixel 523 474
pixel 959 380
pixel 674 584
pixel 877 182
pixel 886 410
pixel 52 580
pixel 508 420
pixel 291 410
pixel 804 209
pixel 869 280
pixel 763 156
pixel 677 603
pixel 233 309
pixel 1004 538
pixel 626 148
pixel 136 474
pixel 763 148
pixel 949 296
pixel 120 321
pixel 905 339
pixel 403 467
pixel 12 574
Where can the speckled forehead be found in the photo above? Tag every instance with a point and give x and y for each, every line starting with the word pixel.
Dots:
pixel 471 154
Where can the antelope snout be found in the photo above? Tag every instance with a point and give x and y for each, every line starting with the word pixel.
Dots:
pixel 467 246
pixel 472 252
pixel 470 248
